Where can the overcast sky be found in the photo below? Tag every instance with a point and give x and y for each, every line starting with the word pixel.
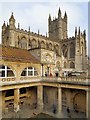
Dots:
pixel 35 14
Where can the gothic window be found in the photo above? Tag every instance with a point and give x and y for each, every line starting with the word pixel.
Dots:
pixel 5 71
pixel 34 43
pixel 23 43
pixel 72 51
pixel 29 71
pixel 64 51
pixel 50 46
pixel 42 44
pixel 72 65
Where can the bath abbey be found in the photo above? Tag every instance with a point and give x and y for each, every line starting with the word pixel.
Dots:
pixel 47 75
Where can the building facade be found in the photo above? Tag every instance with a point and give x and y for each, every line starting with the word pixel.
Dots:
pixel 32 68
pixel 67 50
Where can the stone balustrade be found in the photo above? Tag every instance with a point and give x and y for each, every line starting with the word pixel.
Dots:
pixel 7 79
pixel 25 79
pixel 30 78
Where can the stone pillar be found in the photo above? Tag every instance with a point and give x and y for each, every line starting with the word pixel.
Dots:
pixel 59 100
pixel 40 97
pixel 16 99
pixel 88 104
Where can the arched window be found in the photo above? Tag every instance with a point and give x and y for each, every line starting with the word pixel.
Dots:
pixel 50 46
pixel 72 51
pixel 23 43
pixel 72 65
pixel 42 44
pixel 65 51
pixel 29 71
pixel 34 43
pixel 5 71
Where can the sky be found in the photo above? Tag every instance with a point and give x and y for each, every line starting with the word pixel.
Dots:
pixel 35 14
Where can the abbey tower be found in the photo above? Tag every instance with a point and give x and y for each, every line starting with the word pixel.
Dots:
pixel 57 27
pixel 71 53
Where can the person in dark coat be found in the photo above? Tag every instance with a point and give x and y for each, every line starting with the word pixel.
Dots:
pixel 68 111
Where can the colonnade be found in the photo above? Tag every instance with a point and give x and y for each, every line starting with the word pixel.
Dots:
pixel 40 100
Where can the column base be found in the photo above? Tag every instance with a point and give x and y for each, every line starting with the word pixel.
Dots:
pixel 16 109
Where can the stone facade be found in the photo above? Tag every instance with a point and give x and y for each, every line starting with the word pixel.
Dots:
pixel 22 76
pixel 71 51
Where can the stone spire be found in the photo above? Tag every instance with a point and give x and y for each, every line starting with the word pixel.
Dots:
pixel 29 29
pixel 12 21
pixel 49 19
pixel 3 28
pixel 59 12
pixel 4 25
pixel 75 31
pixel 12 17
pixel 65 15
pixel 38 31
pixel 79 31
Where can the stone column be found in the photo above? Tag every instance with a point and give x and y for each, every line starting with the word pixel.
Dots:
pixel 40 97
pixel 59 100
pixel 88 103
pixel 16 99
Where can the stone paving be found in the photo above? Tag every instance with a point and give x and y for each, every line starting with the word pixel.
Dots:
pixel 28 112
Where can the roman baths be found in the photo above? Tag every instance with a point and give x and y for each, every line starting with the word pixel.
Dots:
pixel 44 75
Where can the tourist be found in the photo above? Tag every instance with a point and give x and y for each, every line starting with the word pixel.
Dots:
pixel 68 111
pixel 54 109
pixel 50 74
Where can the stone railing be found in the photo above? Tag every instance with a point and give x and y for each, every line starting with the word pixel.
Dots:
pixel 8 79
pixel 13 80
pixel 77 80
pixel 74 79
pixel 32 78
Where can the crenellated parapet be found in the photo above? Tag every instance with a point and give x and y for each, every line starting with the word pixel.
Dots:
pixel 57 27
